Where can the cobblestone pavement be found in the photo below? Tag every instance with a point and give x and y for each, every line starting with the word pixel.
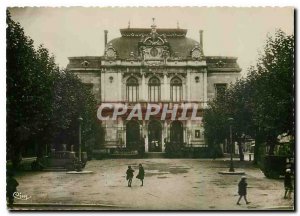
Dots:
pixel 170 184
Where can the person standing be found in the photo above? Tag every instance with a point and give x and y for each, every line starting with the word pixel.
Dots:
pixel 11 187
pixel 288 184
pixel 129 175
pixel 242 190
pixel 141 174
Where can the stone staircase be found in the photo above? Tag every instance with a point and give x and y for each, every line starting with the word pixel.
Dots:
pixel 155 155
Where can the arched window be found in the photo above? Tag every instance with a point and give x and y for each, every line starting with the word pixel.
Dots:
pixel 176 89
pixel 132 89
pixel 154 89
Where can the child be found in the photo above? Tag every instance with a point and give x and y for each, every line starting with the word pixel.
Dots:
pixel 129 175
pixel 288 184
pixel 242 190
pixel 141 174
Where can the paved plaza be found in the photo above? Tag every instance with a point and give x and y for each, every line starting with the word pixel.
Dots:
pixel 170 184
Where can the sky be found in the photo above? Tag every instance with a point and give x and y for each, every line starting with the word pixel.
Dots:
pixel 78 31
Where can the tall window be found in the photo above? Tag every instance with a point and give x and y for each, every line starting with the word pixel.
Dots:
pixel 154 89
pixel 176 89
pixel 132 89
pixel 220 89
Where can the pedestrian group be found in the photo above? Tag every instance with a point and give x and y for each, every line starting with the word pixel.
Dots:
pixel 288 186
pixel 140 175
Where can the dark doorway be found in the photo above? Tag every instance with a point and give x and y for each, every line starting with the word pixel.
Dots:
pixel 154 136
pixel 132 135
pixel 176 135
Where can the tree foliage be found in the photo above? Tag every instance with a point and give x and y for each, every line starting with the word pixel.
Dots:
pixel 262 104
pixel 43 102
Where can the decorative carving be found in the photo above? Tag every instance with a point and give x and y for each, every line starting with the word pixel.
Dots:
pixel 85 63
pixel 196 52
pixel 110 52
pixel 153 46
pixel 153 52
pixel 173 74
pixel 153 62
pixel 220 64
pixel 134 74
pixel 172 34
pixel 148 74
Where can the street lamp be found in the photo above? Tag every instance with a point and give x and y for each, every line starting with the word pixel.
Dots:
pixel 230 120
pixel 79 136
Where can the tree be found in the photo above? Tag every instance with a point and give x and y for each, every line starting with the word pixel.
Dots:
pixel 30 75
pixel 262 104
pixel 43 102
pixel 71 100
pixel 274 96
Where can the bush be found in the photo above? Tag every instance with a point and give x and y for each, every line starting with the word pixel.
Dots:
pixel 274 166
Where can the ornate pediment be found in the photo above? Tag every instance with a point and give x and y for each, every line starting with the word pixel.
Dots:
pixel 154 47
pixel 197 53
pixel 110 52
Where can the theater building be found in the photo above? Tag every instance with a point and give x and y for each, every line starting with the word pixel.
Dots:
pixel 154 66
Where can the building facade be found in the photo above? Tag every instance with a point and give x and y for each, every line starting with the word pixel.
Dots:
pixel 154 66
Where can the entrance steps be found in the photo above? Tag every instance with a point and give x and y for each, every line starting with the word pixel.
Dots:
pixel 154 154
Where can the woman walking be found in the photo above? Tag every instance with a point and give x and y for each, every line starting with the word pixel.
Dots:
pixel 242 190
pixel 141 174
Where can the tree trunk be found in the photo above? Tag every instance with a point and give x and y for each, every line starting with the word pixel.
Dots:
pixel 258 141
pixel 271 142
pixel 241 152
pixel 16 157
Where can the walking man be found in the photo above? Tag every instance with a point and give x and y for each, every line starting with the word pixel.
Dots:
pixel 242 190
pixel 288 184
pixel 129 175
pixel 141 174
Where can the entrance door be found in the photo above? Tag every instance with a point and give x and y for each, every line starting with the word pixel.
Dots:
pixel 154 136
pixel 176 135
pixel 132 135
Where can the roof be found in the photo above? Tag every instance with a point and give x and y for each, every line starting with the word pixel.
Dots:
pixel 84 62
pixel 180 46
pixel 222 64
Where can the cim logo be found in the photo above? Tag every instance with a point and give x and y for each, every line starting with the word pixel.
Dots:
pixel 19 195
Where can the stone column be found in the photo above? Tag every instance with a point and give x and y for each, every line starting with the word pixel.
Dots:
pixel 146 136
pixel 188 132
pixel 205 87
pixel 188 83
pixel 164 89
pixel 184 91
pixel 201 86
pixel 164 135
pixel 103 85
pixel 119 80
pixel 144 90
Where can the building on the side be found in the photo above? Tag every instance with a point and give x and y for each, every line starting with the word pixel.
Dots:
pixel 154 66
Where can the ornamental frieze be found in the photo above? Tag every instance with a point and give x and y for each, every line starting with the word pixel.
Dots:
pixel 124 75
pixel 172 34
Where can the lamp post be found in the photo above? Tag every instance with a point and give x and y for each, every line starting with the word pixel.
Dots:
pixel 79 138
pixel 230 120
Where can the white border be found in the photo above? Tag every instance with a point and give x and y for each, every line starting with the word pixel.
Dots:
pixel 114 3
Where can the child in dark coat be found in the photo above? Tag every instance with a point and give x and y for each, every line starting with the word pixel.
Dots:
pixel 242 190
pixel 141 174
pixel 129 175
